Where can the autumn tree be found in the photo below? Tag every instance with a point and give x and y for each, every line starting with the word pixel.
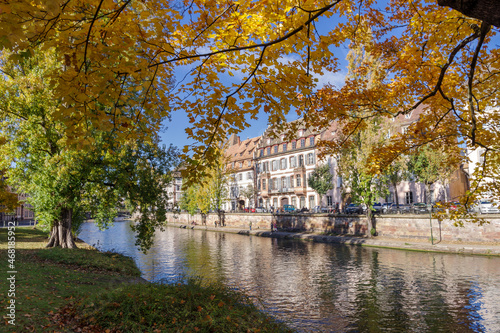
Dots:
pixel 429 166
pixel 247 57
pixel 320 180
pixel 65 179
pixel 361 175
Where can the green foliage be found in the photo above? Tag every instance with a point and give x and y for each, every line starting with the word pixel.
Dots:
pixel 189 199
pixel 60 176
pixel 321 179
pixel 355 165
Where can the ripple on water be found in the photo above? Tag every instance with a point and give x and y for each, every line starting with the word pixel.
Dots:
pixel 325 287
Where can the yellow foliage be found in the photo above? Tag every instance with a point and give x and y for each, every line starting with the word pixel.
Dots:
pixel 125 53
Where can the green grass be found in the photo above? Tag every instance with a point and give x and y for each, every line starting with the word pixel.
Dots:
pixel 179 307
pixel 69 290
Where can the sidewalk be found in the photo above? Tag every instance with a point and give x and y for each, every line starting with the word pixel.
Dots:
pixel 492 249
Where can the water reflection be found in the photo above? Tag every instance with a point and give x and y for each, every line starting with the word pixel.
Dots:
pixel 324 287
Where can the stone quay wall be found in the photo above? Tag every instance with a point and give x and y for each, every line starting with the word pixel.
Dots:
pixel 391 226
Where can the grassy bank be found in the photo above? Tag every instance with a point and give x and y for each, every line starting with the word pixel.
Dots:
pixel 83 290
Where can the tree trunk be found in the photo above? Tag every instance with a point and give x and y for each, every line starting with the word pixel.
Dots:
pixel 484 10
pixel 396 194
pixel 61 234
pixel 369 222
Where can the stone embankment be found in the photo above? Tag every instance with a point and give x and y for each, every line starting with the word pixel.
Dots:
pixel 405 232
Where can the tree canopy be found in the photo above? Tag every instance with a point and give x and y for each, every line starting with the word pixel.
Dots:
pixel 320 180
pixel 247 56
pixel 65 181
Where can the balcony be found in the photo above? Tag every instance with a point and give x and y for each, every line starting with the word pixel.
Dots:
pixel 264 193
pixel 265 174
pixel 299 169
pixel 281 190
pixel 300 190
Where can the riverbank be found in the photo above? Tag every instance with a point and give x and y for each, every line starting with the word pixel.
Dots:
pixel 408 244
pixel 84 290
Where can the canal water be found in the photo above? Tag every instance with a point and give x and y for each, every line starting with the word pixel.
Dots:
pixel 319 287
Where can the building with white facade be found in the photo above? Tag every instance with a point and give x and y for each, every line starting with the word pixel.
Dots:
pixel 283 167
pixel 242 183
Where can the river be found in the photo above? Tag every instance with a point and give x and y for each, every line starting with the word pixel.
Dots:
pixel 318 287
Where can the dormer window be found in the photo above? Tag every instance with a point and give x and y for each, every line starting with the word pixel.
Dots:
pixel 408 115
pixel 301 132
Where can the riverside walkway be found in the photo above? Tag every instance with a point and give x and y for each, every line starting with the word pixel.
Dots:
pixel 492 249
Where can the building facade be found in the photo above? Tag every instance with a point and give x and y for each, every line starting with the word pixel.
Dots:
pixel 242 188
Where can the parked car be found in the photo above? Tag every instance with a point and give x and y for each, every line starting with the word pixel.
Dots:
pixel 304 210
pixel 354 209
pixel 386 207
pixel 319 209
pixel 400 209
pixel 289 208
pixel 419 208
pixel 487 207
pixel 377 208
pixel 260 210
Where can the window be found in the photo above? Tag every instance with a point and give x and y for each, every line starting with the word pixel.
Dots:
pixel 261 153
pixel 311 141
pixel 339 181
pixel 240 176
pixel 301 160
pixel 268 150
pixel 302 202
pixel 294 201
pixel 293 162
pixel 404 129
pixel 266 166
pixel 388 135
pixel 232 165
pixel 249 163
pixel 258 186
pixel 283 164
pixel 284 147
pixel 291 181
pixel 329 200
pixel 294 144
pixel 310 158
pixel 312 202
pixel 275 149
pixel 298 180
pixel 409 197
pixel 284 182
pixel 263 184
pixel 275 165
pixel 249 175
pixel 302 143
pixel 275 183
pixel 275 203
pixel 241 164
